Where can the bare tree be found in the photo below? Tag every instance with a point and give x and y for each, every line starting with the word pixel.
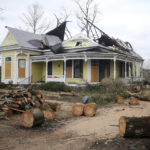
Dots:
pixel 34 19
pixel 88 10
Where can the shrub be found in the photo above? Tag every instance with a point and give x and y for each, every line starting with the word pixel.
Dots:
pixel 2 85
pixel 55 86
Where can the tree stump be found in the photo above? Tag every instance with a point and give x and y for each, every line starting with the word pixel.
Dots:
pixel 134 127
pixel 49 114
pixel 133 101
pixel 138 88
pixel 77 109
pixel 120 100
pixel 32 118
pixel 90 109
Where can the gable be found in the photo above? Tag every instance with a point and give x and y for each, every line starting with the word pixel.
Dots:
pixel 79 41
pixel 9 40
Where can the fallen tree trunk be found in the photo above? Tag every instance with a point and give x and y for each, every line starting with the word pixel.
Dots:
pixel 90 109
pixel 66 94
pixel 134 127
pixel 139 96
pixel 32 118
pixel 77 109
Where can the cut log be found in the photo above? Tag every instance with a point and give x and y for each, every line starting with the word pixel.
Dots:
pixel 138 88
pixel 32 118
pixel 66 94
pixel 77 109
pixel 49 114
pixel 134 127
pixel 55 106
pixel 120 100
pixel 133 101
pixel 90 109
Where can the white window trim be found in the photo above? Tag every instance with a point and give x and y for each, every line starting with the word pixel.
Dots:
pixel 5 67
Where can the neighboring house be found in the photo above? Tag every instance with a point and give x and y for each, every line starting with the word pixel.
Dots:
pixel 30 58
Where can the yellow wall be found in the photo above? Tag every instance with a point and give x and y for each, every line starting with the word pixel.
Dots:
pixel 38 71
pixel 74 80
pixel 12 40
pixel 57 68
pixel 117 69
pixel 12 55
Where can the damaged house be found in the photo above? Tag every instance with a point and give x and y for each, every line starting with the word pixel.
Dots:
pixel 31 58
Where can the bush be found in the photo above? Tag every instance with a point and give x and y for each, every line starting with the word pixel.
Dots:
pixel 2 85
pixel 55 86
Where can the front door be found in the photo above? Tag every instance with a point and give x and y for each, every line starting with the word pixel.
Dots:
pixel 69 69
pixel 95 71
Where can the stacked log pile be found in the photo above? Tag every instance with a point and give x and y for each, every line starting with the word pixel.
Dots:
pixel 34 108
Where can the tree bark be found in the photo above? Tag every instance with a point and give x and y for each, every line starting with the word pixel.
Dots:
pixel 134 127
pixel 32 118
pixel 55 106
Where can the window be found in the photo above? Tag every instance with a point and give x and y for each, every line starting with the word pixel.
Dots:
pixel 8 67
pixel 78 68
pixel 95 62
pixel 78 43
pixel 49 68
pixel 8 59
pixel 21 63
pixel 69 63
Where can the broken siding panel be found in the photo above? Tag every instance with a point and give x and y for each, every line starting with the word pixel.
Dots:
pixel 12 55
pixel 9 40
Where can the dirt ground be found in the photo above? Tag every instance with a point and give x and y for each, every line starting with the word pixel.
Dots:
pixel 75 133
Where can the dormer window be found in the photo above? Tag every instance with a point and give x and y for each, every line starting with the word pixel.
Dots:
pixel 78 43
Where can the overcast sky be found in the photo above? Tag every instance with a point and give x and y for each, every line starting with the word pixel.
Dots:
pixel 128 20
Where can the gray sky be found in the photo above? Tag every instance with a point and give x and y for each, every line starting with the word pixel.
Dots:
pixel 127 20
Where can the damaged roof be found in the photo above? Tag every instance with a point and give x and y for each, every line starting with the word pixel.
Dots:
pixel 33 41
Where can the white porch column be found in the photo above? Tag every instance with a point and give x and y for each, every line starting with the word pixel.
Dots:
pixel 125 69
pixel 16 65
pixel 31 71
pixel 46 74
pixel 142 70
pixel 27 68
pixel 114 67
pixel 65 70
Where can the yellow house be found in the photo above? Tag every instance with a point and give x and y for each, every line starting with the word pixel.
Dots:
pixel 31 58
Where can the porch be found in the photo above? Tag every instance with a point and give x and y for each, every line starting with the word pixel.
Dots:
pixel 84 69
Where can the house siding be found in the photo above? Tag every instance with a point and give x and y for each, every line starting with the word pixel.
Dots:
pixel 57 68
pixel 6 40
pixel 12 55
